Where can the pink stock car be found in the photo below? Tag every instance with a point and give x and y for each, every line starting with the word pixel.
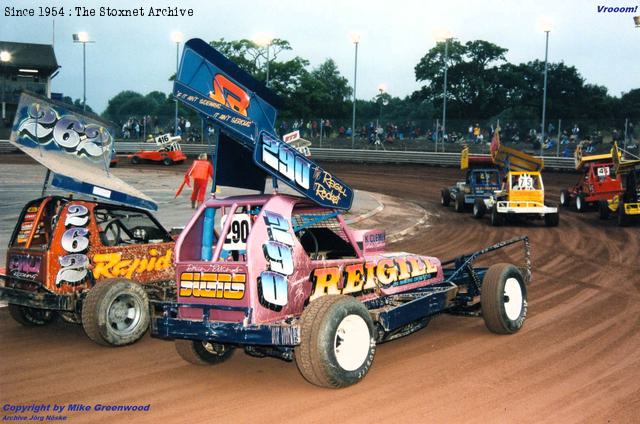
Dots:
pixel 280 276
pixel 284 276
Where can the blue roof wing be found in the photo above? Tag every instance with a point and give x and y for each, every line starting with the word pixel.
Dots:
pixel 246 111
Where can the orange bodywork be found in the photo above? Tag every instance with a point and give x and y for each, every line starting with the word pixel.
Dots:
pixel 72 257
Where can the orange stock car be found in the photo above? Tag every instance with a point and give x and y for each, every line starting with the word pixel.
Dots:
pixel 93 263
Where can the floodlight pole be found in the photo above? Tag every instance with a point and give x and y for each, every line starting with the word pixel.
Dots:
pixel 267 81
pixel 444 95
pixel 355 80
pixel 175 127
pixel 544 93
pixel 84 77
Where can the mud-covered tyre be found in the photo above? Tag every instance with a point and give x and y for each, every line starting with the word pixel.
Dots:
pixel 445 197
pixel 503 299
pixel 623 219
pixel 458 204
pixel 202 352
pixel 565 199
pixel 32 317
pixel 337 342
pixel 603 209
pixel 479 208
pixel 115 313
pixel 167 161
pixel 581 203
pixel 496 218
pixel 551 219
pixel 135 160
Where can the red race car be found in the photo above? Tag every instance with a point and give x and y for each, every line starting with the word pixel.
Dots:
pixel 597 182
pixel 168 151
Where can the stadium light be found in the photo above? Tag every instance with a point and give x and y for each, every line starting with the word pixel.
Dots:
pixel 264 40
pixel 82 37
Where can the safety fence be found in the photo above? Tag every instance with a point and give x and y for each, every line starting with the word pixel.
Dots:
pixel 343 155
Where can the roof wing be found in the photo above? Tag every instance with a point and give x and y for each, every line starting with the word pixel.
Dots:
pixel 581 160
pixel 246 112
pixel 467 161
pixel 217 88
pixel 512 159
pixel 623 166
pixel 75 147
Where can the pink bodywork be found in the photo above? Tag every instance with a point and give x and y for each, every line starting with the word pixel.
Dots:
pixel 368 246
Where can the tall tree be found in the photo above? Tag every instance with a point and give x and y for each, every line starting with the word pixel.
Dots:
pixel 471 77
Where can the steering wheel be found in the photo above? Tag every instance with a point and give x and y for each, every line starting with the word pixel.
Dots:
pixel 111 233
pixel 316 246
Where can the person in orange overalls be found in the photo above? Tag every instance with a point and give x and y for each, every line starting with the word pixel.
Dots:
pixel 201 170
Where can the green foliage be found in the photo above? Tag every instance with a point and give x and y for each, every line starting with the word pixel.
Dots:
pixel 322 93
pixel 481 86
pixel 471 79
pixel 77 103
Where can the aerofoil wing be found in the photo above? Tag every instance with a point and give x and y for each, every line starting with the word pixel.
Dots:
pixel 74 147
pixel 249 150
pixel 513 159
pixel 621 165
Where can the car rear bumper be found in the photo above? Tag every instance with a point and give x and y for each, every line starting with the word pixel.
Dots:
pixel 524 208
pixel 40 300
pixel 165 323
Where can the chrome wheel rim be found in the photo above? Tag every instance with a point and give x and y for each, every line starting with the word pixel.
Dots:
pixel 124 314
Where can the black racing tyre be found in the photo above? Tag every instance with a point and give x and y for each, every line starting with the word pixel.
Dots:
pixel 167 161
pixel 202 352
pixel 31 317
pixel 445 197
pixel 337 342
pixel 459 202
pixel 496 218
pixel 479 208
pixel 135 160
pixel 581 204
pixel 565 198
pixel 551 219
pixel 115 313
pixel 603 209
pixel 503 299
pixel 623 219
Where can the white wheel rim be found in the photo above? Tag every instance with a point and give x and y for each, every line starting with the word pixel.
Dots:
pixel 512 298
pixel 475 209
pixel 351 343
pixel 578 203
pixel 562 198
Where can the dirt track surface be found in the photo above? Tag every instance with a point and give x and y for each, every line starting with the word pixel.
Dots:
pixel 575 360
